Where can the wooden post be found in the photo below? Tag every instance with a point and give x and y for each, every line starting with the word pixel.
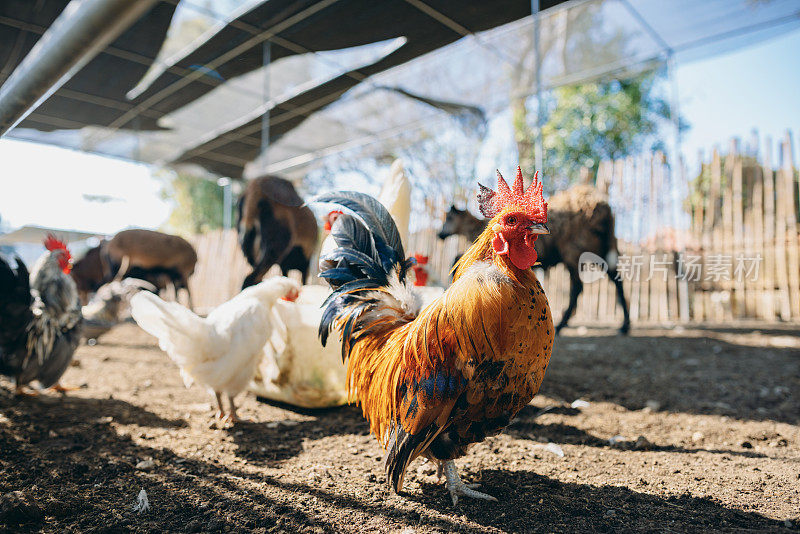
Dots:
pixel 793 254
pixel 781 271
pixel 757 218
pixel 768 267
pixel 741 242
pixel 728 239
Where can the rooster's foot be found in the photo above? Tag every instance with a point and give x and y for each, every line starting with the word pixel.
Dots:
pixel 457 487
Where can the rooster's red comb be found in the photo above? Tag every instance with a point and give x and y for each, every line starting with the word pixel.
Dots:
pixel 530 202
pixel 52 243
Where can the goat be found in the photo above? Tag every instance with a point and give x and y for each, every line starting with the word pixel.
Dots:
pixel 580 220
pixel 275 228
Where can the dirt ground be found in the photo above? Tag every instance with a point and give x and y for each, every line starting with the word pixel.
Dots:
pixel 718 410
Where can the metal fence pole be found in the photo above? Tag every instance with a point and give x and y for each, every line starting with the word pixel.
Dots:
pixel 539 146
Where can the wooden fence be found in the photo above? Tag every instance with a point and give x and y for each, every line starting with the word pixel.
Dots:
pixel 750 212
pixel 221 268
pixel 729 249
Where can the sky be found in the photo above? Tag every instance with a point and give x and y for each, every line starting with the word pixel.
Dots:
pixel 722 96
pixel 755 87
pixel 45 186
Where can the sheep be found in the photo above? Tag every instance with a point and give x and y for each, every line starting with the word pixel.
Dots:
pixel 161 259
pixel 275 228
pixel 580 220
pixel 171 258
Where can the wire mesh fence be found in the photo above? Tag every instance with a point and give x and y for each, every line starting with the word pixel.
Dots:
pixel 729 250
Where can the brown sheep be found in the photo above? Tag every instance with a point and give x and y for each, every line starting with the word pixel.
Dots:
pixel 89 273
pixel 580 220
pixel 168 258
pixel 94 269
pixel 275 228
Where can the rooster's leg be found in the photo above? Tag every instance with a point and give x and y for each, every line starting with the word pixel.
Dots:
pixel 456 486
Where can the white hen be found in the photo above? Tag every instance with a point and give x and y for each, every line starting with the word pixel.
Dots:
pixel 396 196
pixel 296 368
pixel 222 351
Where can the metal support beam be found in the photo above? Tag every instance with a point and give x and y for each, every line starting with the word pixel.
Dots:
pixel 82 31
pixel 677 180
pixel 537 37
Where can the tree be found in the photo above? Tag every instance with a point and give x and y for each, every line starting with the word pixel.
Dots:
pixel 584 123
pixel 590 122
pixel 605 120
pixel 439 161
pixel 198 203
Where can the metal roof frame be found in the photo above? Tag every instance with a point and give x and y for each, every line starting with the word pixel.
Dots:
pixel 80 33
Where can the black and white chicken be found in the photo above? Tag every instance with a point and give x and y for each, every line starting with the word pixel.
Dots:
pixel 40 319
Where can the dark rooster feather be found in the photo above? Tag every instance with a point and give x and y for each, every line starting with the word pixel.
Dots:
pixel 365 259
pixel 16 315
pixel 40 320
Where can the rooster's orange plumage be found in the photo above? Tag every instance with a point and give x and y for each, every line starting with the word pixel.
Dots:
pixel 433 381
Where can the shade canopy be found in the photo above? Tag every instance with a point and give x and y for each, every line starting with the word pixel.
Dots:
pixel 37 234
pixel 288 82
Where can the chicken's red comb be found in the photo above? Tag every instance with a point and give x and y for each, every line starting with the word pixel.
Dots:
pixel 53 243
pixel 530 202
pixel 328 224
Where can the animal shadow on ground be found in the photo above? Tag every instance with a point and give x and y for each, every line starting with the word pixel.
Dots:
pixel 737 380
pixel 84 475
pixel 269 442
pixel 67 411
pixel 550 505
pixel 524 426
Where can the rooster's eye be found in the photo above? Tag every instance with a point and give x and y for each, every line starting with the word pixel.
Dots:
pixel 511 221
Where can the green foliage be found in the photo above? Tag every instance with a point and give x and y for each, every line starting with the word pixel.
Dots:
pixel 591 122
pixel 198 203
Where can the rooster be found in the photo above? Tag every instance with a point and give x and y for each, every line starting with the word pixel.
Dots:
pixel 222 351
pixel 433 381
pixel 40 319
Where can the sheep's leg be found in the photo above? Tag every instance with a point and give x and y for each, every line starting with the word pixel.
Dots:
pixel 259 270
pixel 123 268
pixel 575 289
pixel 626 321
pixel 172 290
pixel 189 297
pixel 253 278
pixel 304 272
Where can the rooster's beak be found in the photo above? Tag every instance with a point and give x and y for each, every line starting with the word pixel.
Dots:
pixel 539 228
